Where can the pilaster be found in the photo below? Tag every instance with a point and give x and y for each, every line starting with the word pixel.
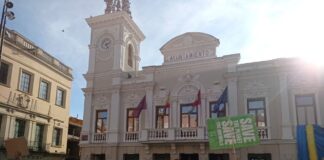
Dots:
pixel 87 110
pixel 202 112
pixel 174 113
pixel 149 110
pixel 114 115
pixel 232 96
pixel 285 114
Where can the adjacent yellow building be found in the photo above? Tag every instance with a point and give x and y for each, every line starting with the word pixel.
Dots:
pixel 35 91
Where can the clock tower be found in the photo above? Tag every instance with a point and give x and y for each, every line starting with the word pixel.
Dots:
pixel 115 39
pixel 114 49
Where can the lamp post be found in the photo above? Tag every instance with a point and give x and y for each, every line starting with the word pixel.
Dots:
pixel 5 14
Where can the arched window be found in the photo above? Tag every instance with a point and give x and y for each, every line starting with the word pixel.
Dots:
pixel 130 55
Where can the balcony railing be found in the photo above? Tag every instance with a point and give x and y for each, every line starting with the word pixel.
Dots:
pixel 263 133
pixel 100 137
pixel 131 137
pixel 158 134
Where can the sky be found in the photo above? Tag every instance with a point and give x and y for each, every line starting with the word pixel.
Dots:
pixel 257 29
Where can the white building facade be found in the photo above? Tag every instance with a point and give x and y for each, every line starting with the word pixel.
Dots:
pixel 282 93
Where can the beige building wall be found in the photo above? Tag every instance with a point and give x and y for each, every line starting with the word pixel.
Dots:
pixel 23 56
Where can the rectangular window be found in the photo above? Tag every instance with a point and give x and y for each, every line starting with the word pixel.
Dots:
pixel 305 107
pixel 25 82
pixel 101 121
pixel 44 90
pixel 19 128
pixel 60 97
pixel 189 116
pixel 256 107
pixel 162 117
pixel 4 73
pixel 132 122
pixel 216 112
pixel 57 137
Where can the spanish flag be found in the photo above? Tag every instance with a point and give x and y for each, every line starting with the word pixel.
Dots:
pixel 310 142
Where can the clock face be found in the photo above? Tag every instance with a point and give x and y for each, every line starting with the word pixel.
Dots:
pixel 105 43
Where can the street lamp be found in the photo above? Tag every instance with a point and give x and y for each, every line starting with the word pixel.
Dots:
pixel 5 14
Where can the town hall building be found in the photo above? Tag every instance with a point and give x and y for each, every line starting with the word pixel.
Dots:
pixel 281 93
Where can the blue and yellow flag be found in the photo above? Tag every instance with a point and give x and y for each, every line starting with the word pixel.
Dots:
pixel 310 142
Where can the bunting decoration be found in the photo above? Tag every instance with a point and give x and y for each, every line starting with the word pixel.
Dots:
pixel 142 105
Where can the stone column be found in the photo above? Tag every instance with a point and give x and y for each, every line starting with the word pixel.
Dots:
pixel 149 109
pixel 86 128
pixel 232 96
pixel 114 114
pixel 30 131
pixel 5 126
pixel 285 114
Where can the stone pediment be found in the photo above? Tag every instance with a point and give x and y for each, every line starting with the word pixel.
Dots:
pixel 190 46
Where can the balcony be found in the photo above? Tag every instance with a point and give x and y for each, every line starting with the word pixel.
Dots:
pixel 167 135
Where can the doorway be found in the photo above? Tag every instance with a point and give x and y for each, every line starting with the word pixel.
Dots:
pixel 218 156
pixel 189 156
pixel 161 157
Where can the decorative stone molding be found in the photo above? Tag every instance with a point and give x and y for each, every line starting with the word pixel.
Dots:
pixel 101 101
pixel 187 94
pixel 188 77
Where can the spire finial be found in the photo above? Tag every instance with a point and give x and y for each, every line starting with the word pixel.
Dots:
pixel 118 5
pixel 126 7
pixel 109 6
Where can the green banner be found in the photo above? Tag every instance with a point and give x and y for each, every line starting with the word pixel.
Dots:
pixel 229 132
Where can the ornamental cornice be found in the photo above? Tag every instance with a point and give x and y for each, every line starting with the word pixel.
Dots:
pixel 120 17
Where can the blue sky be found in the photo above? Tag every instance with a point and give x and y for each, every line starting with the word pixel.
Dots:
pixel 257 29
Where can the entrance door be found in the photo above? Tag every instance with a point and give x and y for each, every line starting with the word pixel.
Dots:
pixel 189 157
pixel 161 157
pixel 98 157
pixel 37 146
pixel 218 157
pixel 131 156
pixel 266 156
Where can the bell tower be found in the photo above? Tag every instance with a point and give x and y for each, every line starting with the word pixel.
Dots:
pixel 115 39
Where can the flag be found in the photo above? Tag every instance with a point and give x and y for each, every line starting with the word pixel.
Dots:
pixel 310 142
pixel 221 100
pixel 142 105
pixel 197 102
pixel 167 102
